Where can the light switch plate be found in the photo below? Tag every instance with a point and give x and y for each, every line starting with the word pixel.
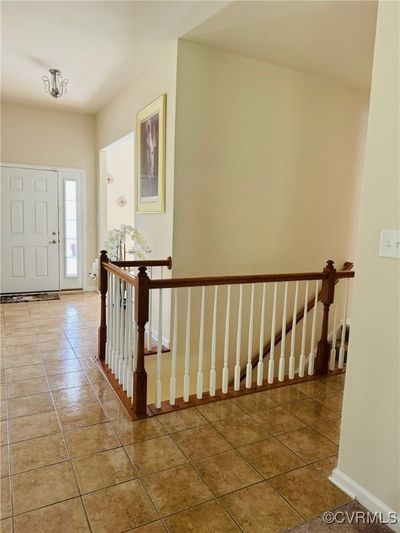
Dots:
pixel 390 243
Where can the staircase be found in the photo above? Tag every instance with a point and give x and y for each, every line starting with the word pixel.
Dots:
pixel 216 337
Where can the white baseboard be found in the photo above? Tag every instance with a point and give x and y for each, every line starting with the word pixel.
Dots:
pixel 366 498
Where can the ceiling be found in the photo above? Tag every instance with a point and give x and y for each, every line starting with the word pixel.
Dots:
pixel 327 38
pixel 102 47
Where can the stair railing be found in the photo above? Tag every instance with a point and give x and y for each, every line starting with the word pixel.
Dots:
pixel 209 316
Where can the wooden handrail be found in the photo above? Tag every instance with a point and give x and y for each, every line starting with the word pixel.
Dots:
pixel 233 280
pixel 145 263
pixel 344 273
pixel 123 274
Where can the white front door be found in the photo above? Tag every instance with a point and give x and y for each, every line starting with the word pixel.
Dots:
pixel 29 230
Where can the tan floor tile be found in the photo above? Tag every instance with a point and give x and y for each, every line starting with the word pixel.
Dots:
pixel 308 444
pixel 94 375
pixel 91 439
pixel 329 428
pixel 114 409
pixel 337 382
pixel 315 388
pixel 58 344
pixel 6 525
pixel 65 381
pixel 278 420
pixel 3 410
pixel 103 469
pixel 154 527
pixel 104 391
pixel 200 442
pixel 35 453
pixel 270 457
pixel 119 508
pixel 259 509
pixel 310 411
pixel 63 517
pixel 3 433
pixel 16 361
pixel 218 410
pixel 30 405
pixel 251 403
pixel 58 355
pixel 284 395
pixel 326 466
pixel 24 372
pixel 81 416
pixel 4 461
pixel 62 367
pixel 226 472
pixel 26 388
pixel 30 427
pixel 308 492
pixel 16 340
pixel 130 432
pixel 74 396
pixel 241 431
pixel 48 337
pixel 5 498
pixel 176 489
pixel 21 349
pixel 151 456
pixel 183 419
pixel 205 518
pixel 332 401
pixel 56 482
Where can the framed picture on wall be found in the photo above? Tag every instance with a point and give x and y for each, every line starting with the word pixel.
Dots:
pixel 150 143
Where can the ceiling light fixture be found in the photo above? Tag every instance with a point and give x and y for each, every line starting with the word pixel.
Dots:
pixel 56 86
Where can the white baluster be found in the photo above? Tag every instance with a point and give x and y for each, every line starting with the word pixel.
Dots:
pixel 226 344
pixel 149 339
pixel 172 382
pixel 292 360
pixel 159 351
pixel 281 370
pixel 118 327
pixel 213 376
pixel 302 360
pixel 313 347
pixel 344 327
pixel 201 347
pixel 249 366
pixel 109 318
pixel 236 385
pixel 186 377
pixel 332 359
pixel 260 365
pixel 114 322
pixel 130 340
pixel 271 364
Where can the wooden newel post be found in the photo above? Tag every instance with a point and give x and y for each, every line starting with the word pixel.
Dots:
pixel 142 317
pixel 327 298
pixel 103 293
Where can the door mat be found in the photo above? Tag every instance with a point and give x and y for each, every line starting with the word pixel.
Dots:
pixel 28 297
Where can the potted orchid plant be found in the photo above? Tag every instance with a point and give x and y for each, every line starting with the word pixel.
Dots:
pixel 122 244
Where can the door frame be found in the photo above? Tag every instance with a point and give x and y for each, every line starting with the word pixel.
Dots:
pixel 62 173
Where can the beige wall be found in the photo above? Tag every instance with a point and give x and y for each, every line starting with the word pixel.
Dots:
pixel 118 118
pixel 45 136
pixel 267 166
pixel 370 445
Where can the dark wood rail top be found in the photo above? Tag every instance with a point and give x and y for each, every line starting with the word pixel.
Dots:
pixel 123 274
pixel 345 274
pixel 145 262
pixel 234 280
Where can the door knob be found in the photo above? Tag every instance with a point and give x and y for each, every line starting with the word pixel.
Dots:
pixel 53 242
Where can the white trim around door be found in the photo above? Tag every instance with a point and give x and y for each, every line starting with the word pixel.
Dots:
pixel 72 224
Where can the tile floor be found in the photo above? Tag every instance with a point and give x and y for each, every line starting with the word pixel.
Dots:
pixel 73 462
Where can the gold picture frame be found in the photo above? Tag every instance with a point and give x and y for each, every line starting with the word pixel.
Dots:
pixel 150 154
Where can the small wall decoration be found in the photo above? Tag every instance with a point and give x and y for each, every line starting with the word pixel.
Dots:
pixel 110 179
pixel 150 139
pixel 121 201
